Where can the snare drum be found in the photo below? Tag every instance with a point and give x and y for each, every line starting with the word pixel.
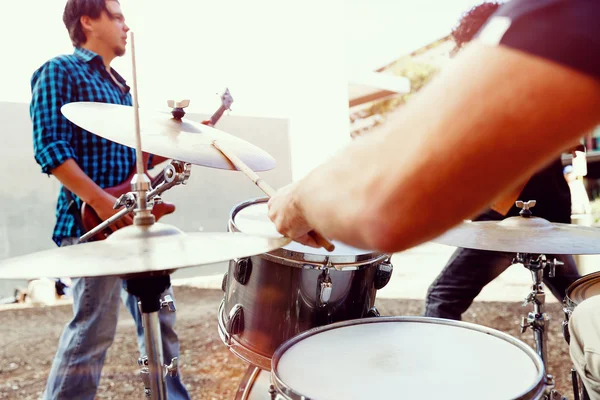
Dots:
pixel 583 288
pixel 408 358
pixel 272 297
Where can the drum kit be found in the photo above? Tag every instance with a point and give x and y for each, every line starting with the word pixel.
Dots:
pixel 303 318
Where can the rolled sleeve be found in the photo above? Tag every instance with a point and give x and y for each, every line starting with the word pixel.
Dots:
pixel 54 155
pixel 52 132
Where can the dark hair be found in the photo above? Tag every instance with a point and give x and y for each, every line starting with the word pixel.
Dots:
pixel 74 10
pixel 472 21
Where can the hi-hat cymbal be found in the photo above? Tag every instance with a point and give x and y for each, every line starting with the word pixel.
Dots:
pixel 165 136
pixel 134 250
pixel 524 235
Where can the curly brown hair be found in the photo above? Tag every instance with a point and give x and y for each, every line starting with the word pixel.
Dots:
pixel 471 22
pixel 74 10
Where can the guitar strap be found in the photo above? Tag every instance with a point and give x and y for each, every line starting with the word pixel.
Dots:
pixel 73 208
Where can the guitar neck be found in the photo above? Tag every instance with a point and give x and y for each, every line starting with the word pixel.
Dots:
pixel 217 115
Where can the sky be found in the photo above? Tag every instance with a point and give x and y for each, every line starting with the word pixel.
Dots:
pixel 263 50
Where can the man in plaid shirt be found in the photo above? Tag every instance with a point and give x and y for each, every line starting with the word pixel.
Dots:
pixel 85 164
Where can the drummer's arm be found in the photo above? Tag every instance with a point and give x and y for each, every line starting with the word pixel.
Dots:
pixel 485 124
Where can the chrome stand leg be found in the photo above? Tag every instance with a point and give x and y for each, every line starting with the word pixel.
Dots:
pixel 538 319
pixel 148 291
pixel 154 353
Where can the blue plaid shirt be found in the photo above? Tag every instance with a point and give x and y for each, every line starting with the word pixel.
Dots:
pixel 80 76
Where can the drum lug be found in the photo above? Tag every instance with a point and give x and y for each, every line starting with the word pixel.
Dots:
pixel 243 269
pixel 324 288
pixel 235 322
pixel 383 274
pixel 373 312
pixel 224 283
pixel 272 392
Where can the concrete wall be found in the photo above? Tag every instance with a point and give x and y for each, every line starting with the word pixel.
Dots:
pixel 28 197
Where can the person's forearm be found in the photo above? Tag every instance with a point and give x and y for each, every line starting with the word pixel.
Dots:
pixel 483 126
pixel 74 179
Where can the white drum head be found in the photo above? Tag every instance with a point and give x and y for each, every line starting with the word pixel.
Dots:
pixel 394 358
pixel 254 220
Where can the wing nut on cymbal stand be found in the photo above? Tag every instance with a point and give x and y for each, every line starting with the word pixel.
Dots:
pixel 178 108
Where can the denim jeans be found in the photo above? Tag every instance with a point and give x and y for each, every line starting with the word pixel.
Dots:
pixel 78 362
pixel 468 271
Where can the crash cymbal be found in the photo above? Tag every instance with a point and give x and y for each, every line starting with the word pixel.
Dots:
pixel 135 250
pixel 524 235
pixel 161 134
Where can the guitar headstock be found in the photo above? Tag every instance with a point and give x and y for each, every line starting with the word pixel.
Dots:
pixel 226 99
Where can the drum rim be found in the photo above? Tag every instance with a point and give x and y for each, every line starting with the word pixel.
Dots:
pixel 536 389
pixel 300 258
pixel 579 282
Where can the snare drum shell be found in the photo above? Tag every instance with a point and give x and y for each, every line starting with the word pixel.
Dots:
pixel 272 297
pixel 281 301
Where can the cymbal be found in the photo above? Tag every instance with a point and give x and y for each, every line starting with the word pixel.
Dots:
pixel 163 135
pixel 532 235
pixel 134 250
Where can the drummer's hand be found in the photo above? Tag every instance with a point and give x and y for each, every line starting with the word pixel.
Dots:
pixel 207 122
pixel 288 217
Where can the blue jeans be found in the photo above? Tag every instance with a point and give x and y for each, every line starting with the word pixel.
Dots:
pixel 468 271
pixel 78 362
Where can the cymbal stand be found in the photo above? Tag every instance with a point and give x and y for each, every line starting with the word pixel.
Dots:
pixel 537 319
pixel 176 173
pixel 148 290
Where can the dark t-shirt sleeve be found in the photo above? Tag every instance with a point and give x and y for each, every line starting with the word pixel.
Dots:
pixel 564 31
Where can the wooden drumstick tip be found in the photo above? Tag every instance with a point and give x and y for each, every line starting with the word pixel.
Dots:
pixel 268 190
pixel 321 241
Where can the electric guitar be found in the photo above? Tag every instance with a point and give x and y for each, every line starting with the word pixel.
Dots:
pixel 90 219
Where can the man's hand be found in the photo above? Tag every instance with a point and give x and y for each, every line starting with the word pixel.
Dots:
pixel 74 179
pixel 103 205
pixel 287 215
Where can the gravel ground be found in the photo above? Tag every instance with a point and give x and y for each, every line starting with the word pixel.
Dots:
pixel 28 339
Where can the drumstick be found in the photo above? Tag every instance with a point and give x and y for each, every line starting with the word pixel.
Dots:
pixel 268 190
